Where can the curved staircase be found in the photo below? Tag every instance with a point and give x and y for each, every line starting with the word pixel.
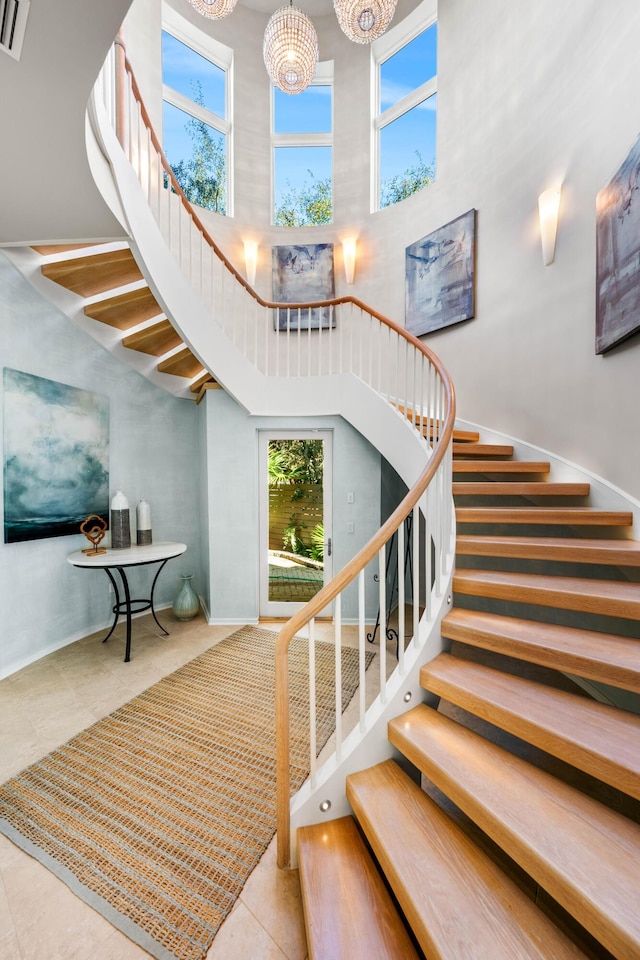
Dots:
pixel 114 292
pixel 524 841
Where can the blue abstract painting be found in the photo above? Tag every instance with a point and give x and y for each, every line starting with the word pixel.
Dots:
pixel 440 276
pixel 618 255
pixel 56 457
pixel 303 274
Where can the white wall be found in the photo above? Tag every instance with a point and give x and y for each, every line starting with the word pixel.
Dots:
pixel 44 602
pixel 232 467
pixel 528 95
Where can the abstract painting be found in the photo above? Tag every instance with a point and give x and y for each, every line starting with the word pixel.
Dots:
pixel 618 255
pixel 440 276
pixel 56 457
pixel 303 274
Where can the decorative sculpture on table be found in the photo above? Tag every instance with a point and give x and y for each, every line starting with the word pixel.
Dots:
pixel 94 534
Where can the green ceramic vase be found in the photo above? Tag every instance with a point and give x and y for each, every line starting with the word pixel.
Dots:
pixel 186 605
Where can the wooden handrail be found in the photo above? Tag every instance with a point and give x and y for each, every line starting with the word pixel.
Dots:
pixel 271 304
pixel 325 596
pixel 349 573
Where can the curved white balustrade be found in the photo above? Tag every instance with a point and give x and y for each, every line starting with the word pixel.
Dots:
pixel 361 366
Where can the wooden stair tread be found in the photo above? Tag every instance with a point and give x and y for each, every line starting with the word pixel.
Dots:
pixel 607 597
pixel 469 449
pixel 519 489
pixel 585 855
pixel 572 550
pixel 347 908
pixel 155 340
pixel 501 466
pixel 594 737
pixel 206 378
pixel 181 364
pixel 126 309
pixel 586 653
pixel 471 436
pixel 458 902
pixel 88 276
pixel 569 516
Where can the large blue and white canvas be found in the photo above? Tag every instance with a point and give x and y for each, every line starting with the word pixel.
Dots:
pixel 303 274
pixel 440 276
pixel 618 255
pixel 56 457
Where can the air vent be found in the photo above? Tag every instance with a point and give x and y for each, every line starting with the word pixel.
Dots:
pixel 13 23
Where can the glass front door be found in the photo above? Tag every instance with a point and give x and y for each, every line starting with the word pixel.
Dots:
pixel 295 519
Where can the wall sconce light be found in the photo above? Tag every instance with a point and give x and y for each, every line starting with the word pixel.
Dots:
pixel 548 207
pixel 349 258
pixel 250 260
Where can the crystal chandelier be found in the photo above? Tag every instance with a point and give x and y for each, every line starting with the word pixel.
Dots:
pixel 290 49
pixel 364 20
pixel 213 9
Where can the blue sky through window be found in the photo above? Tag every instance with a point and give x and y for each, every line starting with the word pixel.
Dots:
pixel 293 164
pixel 399 140
pixel 177 143
pixel 409 68
pixel 306 112
pixel 183 70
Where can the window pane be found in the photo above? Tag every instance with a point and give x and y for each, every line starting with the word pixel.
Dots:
pixel 307 112
pixel 192 75
pixel 198 156
pixel 410 67
pixel 408 153
pixel 302 186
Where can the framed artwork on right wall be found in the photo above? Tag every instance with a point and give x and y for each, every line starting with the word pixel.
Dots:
pixel 440 276
pixel 618 255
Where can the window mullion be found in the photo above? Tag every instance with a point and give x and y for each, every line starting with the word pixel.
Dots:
pixel 302 139
pixel 195 110
pixel 413 99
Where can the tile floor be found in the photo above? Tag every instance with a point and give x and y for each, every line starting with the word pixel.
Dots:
pixel 44 705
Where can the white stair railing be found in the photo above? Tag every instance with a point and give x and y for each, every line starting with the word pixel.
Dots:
pixel 357 341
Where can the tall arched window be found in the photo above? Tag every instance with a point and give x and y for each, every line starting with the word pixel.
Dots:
pixel 196 113
pixel 302 140
pixel 405 85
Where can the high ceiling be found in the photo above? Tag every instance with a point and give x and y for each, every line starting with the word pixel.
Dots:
pixel 317 8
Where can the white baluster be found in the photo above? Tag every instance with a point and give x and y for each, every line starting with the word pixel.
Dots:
pixel 361 651
pixel 313 750
pixel 382 601
pixel 337 616
pixel 401 596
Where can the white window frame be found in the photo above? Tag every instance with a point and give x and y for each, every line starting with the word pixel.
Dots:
pixel 323 77
pixel 221 56
pixel 423 17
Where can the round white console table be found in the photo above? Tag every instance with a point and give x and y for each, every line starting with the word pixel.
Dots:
pixel 136 556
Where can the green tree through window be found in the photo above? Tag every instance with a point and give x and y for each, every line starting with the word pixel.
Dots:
pixel 203 175
pixel 404 184
pixel 305 204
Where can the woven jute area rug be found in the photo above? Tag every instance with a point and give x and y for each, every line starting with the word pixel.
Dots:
pixel 156 815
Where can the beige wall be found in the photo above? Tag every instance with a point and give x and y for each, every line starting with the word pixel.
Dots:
pixel 529 94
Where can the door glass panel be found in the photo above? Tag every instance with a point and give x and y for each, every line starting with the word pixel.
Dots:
pixel 296 530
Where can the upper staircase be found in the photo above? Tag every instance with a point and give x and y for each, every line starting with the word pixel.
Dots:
pixel 524 839
pixel 109 288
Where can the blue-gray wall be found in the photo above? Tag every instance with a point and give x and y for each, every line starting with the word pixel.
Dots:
pixel 44 602
pixel 232 480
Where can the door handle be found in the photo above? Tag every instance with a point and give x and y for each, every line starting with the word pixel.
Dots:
pixel 329 547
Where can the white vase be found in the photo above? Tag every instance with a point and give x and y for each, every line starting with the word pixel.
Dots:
pixel 143 522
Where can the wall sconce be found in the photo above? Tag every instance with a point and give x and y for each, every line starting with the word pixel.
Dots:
pixel 250 260
pixel 548 207
pixel 349 258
